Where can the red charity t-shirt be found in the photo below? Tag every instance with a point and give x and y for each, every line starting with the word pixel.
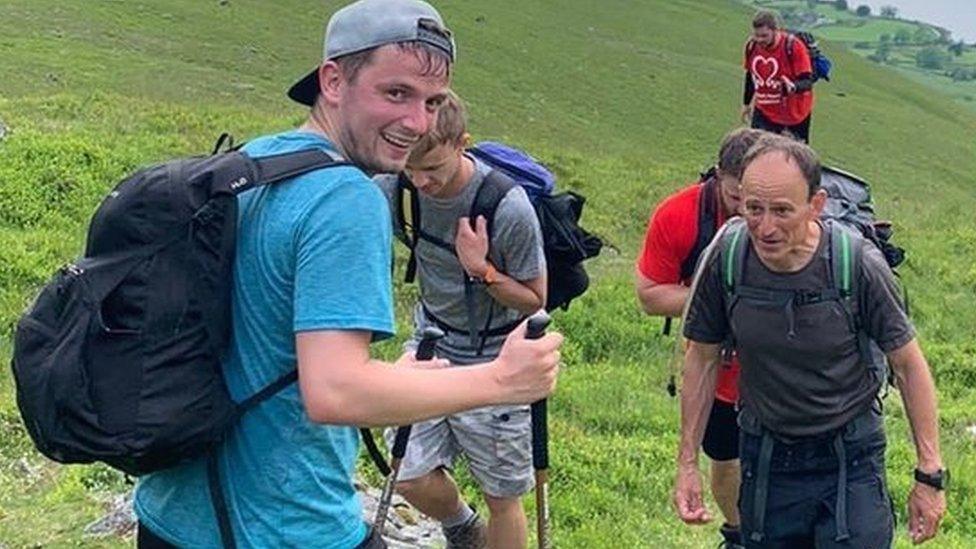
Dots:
pixel 671 235
pixel 767 67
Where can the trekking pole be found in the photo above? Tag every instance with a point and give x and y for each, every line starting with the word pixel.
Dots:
pixel 425 351
pixel 540 444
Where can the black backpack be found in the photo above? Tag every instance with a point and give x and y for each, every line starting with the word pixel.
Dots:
pixel 118 359
pixel 565 243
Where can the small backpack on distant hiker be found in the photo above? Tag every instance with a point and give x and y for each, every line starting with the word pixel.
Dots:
pixel 118 359
pixel 819 62
pixel 566 244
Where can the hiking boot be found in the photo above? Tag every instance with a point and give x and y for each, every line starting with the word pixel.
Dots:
pixel 473 534
pixel 733 538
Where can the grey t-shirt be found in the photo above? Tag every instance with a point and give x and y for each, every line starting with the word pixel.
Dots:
pixel 812 381
pixel 515 249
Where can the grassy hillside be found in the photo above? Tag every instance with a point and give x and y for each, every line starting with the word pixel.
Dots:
pixel 896 43
pixel 625 102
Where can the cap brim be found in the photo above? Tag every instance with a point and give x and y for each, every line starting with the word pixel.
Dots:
pixel 307 89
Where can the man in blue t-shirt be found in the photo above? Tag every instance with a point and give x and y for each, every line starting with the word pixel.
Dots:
pixel 312 287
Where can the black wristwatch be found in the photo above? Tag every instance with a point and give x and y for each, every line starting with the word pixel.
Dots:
pixel 938 480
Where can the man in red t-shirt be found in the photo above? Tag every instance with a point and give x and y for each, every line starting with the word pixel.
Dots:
pixel 779 80
pixel 680 228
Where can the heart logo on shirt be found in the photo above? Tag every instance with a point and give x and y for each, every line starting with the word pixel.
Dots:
pixel 764 71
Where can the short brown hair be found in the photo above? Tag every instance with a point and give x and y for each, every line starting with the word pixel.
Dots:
pixel 796 152
pixel 434 60
pixel 734 146
pixel 765 18
pixel 450 129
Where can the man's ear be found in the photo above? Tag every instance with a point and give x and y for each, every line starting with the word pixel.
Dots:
pixel 465 141
pixel 818 201
pixel 331 81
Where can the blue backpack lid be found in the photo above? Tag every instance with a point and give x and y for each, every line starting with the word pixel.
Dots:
pixel 525 170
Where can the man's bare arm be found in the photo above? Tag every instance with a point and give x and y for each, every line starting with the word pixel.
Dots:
pixel 697 394
pixel 526 297
pixel 926 505
pixel 660 299
pixel 340 384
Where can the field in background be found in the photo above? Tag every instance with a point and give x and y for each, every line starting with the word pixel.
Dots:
pixel 950 66
pixel 625 104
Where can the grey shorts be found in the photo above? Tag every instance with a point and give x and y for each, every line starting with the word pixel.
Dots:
pixel 497 442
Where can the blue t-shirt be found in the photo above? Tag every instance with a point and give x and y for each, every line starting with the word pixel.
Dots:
pixel 313 253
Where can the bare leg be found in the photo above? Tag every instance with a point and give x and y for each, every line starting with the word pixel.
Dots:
pixel 507 523
pixel 725 489
pixel 434 494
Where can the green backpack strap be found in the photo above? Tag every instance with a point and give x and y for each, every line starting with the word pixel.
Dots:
pixel 845 267
pixel 844 257
pixel 735 245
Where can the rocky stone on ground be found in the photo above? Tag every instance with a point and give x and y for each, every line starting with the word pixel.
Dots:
pixel 406 528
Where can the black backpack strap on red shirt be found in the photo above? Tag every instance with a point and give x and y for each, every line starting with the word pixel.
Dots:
pixel 707 221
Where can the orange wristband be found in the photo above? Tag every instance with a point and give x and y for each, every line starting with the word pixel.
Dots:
pixel 491 275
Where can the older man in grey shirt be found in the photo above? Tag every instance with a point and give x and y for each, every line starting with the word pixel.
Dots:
pixel 801 299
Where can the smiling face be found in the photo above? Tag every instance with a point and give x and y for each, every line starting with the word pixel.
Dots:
pixel 779 211
pixel 386 107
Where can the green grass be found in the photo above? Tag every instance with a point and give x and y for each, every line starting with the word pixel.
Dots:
pixel 625 103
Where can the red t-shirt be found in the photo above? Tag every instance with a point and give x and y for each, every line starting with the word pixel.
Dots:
pixel 768 67
pixel 671 236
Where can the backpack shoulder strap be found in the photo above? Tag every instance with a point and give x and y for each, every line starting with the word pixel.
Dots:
pixel 277 168
pixel 405 191
pixel 845 269
pixel 844 260
pixel 707 222
pixel 492 190
pixel 750 46
pixel 735 246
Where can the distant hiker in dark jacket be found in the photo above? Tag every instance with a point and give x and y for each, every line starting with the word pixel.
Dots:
pixel 813 441
pixel 506 281
pixel 312 288
pixel 680 228
pixel 778 94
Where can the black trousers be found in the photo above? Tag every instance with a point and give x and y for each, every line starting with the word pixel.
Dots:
pixel 800 512
pixel 799 131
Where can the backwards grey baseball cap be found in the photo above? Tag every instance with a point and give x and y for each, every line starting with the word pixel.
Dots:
pixel 368 24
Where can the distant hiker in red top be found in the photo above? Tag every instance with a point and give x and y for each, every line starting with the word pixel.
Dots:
pixel 680 228
pixel 779 80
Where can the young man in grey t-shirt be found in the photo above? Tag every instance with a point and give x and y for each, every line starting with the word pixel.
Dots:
pixel 466 282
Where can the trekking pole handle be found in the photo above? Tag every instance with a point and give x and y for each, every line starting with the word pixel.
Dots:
pixel 425 351
pixel 540 428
